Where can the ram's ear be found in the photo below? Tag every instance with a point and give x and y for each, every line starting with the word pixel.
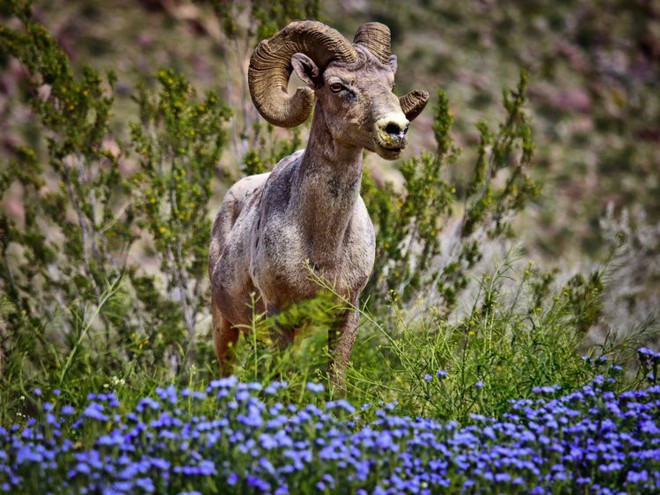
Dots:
pixel 306 69
pixel 393 63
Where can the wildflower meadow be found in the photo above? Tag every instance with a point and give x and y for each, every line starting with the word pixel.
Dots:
pixel 240 438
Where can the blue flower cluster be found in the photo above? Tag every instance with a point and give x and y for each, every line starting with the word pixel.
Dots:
pixel 237 438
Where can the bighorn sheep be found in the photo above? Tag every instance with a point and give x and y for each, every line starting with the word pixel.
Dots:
pixel 309 207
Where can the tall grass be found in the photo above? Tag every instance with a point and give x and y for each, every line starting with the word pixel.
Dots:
pixel 522 331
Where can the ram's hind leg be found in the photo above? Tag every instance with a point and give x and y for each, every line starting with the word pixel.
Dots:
pixel 225 336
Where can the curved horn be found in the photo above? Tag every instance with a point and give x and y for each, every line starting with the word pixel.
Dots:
pixel 376 38
pixel 413 103
pixel 270 69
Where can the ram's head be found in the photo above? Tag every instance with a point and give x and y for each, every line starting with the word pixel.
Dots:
pixel 352 83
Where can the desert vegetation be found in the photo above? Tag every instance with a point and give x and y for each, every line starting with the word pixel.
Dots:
pixel 508 337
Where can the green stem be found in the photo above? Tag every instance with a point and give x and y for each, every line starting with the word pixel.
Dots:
pixel 105 297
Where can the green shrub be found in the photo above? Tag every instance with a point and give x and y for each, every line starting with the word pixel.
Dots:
pixel 82 311
pixel 178 142
pixel 72 240
pixel 521 330
pixel 410 255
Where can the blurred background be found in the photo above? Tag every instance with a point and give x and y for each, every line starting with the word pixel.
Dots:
pixel 594 85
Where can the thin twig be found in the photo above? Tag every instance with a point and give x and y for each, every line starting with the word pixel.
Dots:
pixel 82 223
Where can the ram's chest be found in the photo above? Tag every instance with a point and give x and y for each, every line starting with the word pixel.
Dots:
pixel 285 268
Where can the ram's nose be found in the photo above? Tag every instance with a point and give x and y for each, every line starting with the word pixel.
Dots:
pixel 397 129
pixel 392 130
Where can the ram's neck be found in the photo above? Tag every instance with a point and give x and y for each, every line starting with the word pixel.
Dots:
pixel 328 187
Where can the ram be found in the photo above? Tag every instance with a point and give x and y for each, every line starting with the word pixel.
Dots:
pixel 272 227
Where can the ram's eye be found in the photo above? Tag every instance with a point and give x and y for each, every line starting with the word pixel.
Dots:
pixel 336 87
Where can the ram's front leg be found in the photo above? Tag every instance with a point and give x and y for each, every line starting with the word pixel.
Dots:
pixel 341 338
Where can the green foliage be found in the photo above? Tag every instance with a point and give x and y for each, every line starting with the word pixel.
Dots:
pixel 410 223
pixel 81 310
pixel 69 240
pixel 273 16
pixel 266 18
pixel 268 150
pixel 491 205
pixel 260 358
pixel 178 141
pixel 522 331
